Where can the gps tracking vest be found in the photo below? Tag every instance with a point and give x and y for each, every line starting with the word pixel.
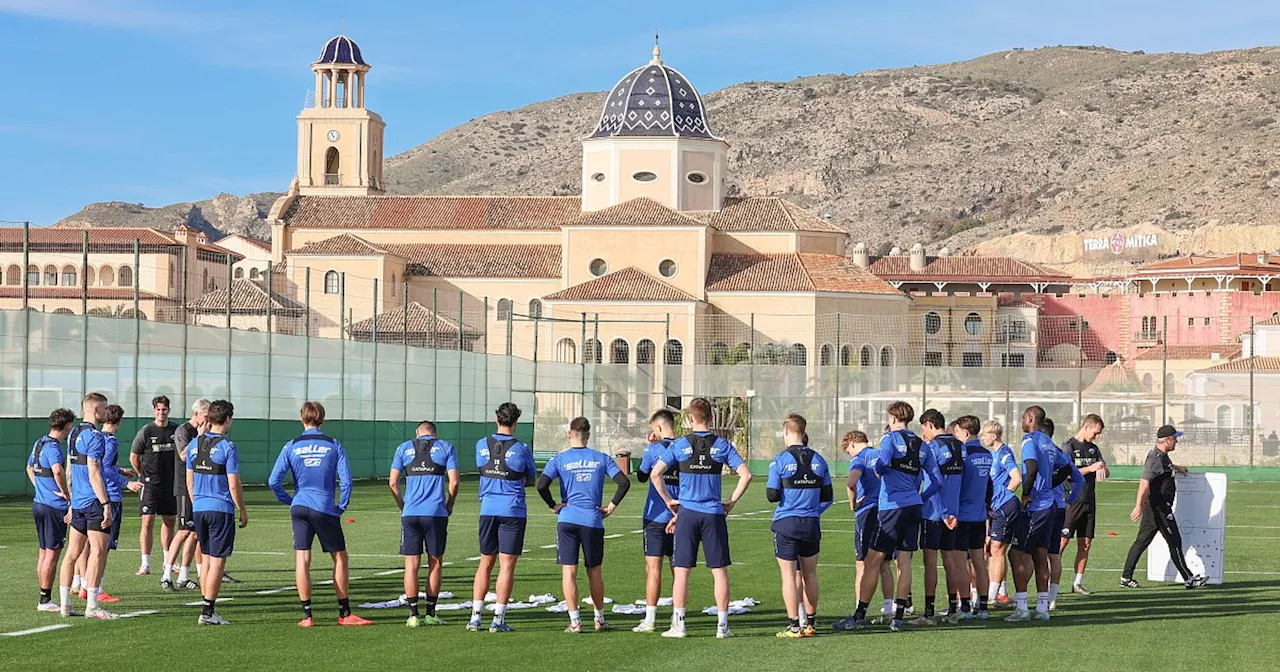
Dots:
pixel 496 467
pixel 803 478
pixel 204 463
pixel 956 466
pixel 670 476
pixel 908 462
pixel 423 465
pixel 74 456
pixel 700 460
pixel 41 471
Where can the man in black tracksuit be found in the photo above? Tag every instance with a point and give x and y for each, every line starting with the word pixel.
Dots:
pixel 1156 492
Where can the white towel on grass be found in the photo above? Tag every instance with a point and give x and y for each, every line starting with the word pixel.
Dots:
pixel 560 607
pixel 628 609
pixel 545 598
pixel 607 600
pixel 511 606
pixel 662 602
pixel 403 601
pixel 736 607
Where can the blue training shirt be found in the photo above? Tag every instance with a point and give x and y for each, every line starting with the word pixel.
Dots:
pixel 315 461
pixel 1061 460
pixel 212 492
pixel 499 497
pixel 655 510
pixel 1003 463
pixel 89 444
pixel 975 484
pixel 700 489
pixel 900 485
pixel 582 473
pixel 867 495
pixel 426 477
pixel 949 454
pixel 1039 447
pixel 47 452
pixel 803 501
pixel 112 477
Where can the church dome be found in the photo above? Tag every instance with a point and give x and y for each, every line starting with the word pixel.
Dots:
pixel 341 50
pixel 654 100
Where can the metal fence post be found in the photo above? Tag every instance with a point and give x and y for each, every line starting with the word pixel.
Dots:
pixel 1008 364
pixel 485 322
pixel 84 314
pixel 1164 372
pixel 404 332
pixel 1080 369
pixel 342 341
pixel 460 330
pixel 270 350
pixel 435 351
pixel 137 322
pixel 26 321
pixel 374 395
pixel 229 279
pixel 838 364
pixel 182 311
pixel 306 339
pixel 1253 353
pixel 583 385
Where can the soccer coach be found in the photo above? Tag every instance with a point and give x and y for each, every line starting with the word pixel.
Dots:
pixel 1156 492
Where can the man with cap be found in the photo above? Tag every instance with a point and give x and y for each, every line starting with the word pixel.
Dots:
pixel 1154 508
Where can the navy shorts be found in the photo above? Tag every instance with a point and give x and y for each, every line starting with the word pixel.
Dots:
pixel 899 530
pixel 88 519
pixel 796 537
pixel 309 524
pixel 1008 523
pixel 1059 522
pixel 571 537
pixel 502 534
pixel 117 509
pixel 1040 534
pixel 931 535
pixel 419 533
pixel 217 533
pixel 864 535
pixel 710 530
pixel 971 536
pixel 50 530
pixel 657 542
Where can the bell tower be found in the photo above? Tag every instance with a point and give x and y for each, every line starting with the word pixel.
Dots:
pixel 339 140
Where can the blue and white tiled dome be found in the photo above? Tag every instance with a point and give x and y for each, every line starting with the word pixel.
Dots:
pixel 341 50
pixel 654 101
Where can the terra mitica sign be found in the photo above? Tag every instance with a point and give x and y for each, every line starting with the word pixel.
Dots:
pixel 1119 243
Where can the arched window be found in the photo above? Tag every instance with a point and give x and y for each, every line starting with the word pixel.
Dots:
pixel 799 355
pixel 1147 382
pixel 674 353
pixel 332 167
pixel 504 310
pixel 864 356
pixel 33 275
pixel 591 351
pixel 91 277
pixel 1224 416
pixel 886 356
pixel 846 355
pixel 1170 382
pixel 619 352
pixel 204 279
pixel 566 350
pixel 535 309
pixel 63 311
pixel 1111 357
pixel 332 282
pixel 69 276
pixel 644 352
pixel 239 273
pixel 825 354
pixel 717 353
pixel 1064 386
pixel 255 273
pixel 13 276
pixel 51 276
pixel 973 324
pixel 932 323
pixel 126 276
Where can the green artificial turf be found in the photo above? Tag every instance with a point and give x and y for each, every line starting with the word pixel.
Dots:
pixel 1160 627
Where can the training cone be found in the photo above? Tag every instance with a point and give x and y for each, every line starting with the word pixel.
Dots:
pixel 1111 534
pixel 352 520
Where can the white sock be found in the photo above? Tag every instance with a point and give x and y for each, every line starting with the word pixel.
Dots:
pixel 476 607
pixel 197 571
pixel 500 613
pixel 184 574
pixel 888 608
pixel 146 560
pixel 650 613
pixel 599 615
pixel 1042 602
pixel 1079 579
pixel 722 619
pixel 168 572
pixel 76 582
pixel 64 597
pixel 1053 592
pixel 93 599
pixel 575 617
pixel 804 617
pixel 1003 590
pixel 992 589
pixel 677 618
pixel 1020 600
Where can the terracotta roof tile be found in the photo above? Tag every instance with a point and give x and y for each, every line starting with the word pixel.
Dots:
pixel 247 296
pixel 1225 351
pixel 966 268
pixel 1115 377
pixel 260 244
pixel 636 212
pixel 628 284
pixel 480 261
pixel 1229 264
pixel 791 273
pixel 1263 364
pixel 432 212
pixel 113 293
pixel 764 213
pixel 347 244
pixel 420 320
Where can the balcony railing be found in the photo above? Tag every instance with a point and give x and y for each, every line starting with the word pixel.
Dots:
pixel 1152 335
pixel 332 179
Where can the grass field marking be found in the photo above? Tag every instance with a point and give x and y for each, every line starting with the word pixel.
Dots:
pixel 553 545
pixel 148 612
pixel 609 536
pixel 473 558
pixel 389 572
pixel 273 591
pixel 34 631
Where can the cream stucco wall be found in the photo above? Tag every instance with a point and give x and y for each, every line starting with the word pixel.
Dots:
pixel 670 159
pixel 643 248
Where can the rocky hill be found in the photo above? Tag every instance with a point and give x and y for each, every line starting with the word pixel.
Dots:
pixel 221 215
pixel 1048 143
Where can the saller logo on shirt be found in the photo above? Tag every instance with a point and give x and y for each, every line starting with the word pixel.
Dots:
pixel 804 477
pixel 497 467
pixel 907 458
pixel 700 460
pixel 421 463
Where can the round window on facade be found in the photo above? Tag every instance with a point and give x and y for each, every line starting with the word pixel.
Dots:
pixel 599 267
pixel 598 177
pixel 667 268
pixel 696 177
pixel 644 176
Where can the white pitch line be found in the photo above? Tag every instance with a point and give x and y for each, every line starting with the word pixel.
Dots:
pixel 273 591
pixel 473 559
pixel 552 545
pixel 613 536
pixel 33 631
pixel 199 603
pixel 148 612
pixel 389 572
pixel 637 531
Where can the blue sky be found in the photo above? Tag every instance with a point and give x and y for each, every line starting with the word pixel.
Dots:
pixel 159 102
